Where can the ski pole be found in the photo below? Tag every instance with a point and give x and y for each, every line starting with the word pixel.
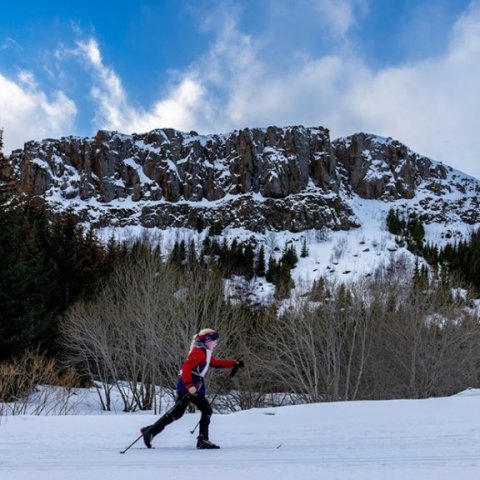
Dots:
pixel 232 373
pixel 132 444
pixel 164 415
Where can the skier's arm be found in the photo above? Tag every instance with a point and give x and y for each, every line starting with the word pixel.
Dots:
pixel 222 362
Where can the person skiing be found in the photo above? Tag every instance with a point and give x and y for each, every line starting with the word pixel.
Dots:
pixel 191 388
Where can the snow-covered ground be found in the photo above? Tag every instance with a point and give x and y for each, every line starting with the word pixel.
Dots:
pixel 376 440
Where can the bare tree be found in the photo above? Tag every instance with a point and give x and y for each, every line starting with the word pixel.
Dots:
pixel 136 332
pixel 319 350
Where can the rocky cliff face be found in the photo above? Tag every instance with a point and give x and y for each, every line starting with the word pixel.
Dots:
pixel 291 178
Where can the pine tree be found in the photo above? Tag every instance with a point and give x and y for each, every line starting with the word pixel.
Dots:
pixel 224 260
pixel 394 223
pixel 284 282
pixel 174 259
pixel 25 282
pixel 215 229
pixel 73 255
pixel 318 290
pixel 416 233
pixel 182 252
pixel 304 253
pixel 206 246
pixel 260 263
pixel 272 270
pixel 192 255
pixel 289 257
pixel 248 266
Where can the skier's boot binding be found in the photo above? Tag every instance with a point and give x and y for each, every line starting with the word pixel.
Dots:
pixel 205 444
pixel 147 436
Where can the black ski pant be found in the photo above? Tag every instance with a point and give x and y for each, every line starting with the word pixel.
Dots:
pixel 199 401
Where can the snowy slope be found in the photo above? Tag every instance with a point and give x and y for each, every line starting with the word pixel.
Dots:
pixel 340 256
pixel 375 440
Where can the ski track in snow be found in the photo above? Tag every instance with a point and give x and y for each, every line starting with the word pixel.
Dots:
pixel 375 440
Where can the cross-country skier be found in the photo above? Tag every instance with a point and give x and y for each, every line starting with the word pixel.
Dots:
pixel 191 387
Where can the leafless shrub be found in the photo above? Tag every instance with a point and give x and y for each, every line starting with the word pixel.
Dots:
pixel 339 249
pixel 319 350
pixel 32 384
pixel 426 344
pixel 322 235
pixel 382 339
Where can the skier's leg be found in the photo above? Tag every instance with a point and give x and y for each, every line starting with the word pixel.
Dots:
pixel 152 430
pixel 170 417
pixel 204 406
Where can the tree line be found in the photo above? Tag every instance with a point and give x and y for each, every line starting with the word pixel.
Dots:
pixel 239 258
pixel 460 258
pixel 45 266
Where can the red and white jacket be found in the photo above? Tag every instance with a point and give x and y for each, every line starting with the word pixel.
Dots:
pixel 195 367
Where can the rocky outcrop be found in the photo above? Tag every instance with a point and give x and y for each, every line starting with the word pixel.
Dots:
pixel 290 178
pixel 383 168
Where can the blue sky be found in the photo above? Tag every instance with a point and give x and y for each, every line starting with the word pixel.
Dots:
pixel 401 68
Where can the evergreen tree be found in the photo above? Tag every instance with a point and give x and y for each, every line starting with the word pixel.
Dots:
pixel 260 263
pixel 304 253
pixel 272 270
pixel 25 282
pixel 174 259
pixel 318 291
pixel 216 229
pixel 199 224
pixel 248 265
pixel 76 258
pixel 206 246
pixel 289 257
pixel 215 248
pixel 192 255
pixel 224 260
pixel 45 265
pixel 284 282
pixel 395 225
pixel 416 233
pixel 463 258
pixel 182 252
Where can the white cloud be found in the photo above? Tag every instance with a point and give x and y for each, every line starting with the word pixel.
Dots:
pixel 337 15
pixel 26 112
pixel 431 105
pixel 9 44
pixel 115 111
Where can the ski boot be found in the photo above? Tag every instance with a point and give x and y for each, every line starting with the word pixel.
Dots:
pixel 205 444
pixel 147 436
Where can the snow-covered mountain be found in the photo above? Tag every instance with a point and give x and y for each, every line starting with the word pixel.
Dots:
pixel 291 179
pixel 271 185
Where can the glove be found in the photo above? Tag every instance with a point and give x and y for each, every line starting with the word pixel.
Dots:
pixel 238 364
pixel 192 390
